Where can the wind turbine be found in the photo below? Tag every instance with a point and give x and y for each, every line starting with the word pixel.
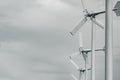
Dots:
pixel 81 71
pixel 92 17
pixel 84 53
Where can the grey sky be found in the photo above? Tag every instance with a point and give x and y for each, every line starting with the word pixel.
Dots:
pixel 35 42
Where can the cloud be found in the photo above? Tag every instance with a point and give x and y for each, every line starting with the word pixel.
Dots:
pixel 20 60
pixel 35 40
pixel 53 4
pixel 45 15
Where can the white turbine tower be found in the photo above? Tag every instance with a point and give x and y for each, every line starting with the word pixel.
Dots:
pixel 108 38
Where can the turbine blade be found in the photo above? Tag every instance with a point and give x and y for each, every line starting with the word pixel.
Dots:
pixel 78 26
pixel 73 55
pixel 98 23
pixel 74 77
pixel 83 5
pixel 80 40
pixel 76 66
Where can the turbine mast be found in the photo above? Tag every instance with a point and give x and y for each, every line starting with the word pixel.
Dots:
pixel 108 40
pixel 93 52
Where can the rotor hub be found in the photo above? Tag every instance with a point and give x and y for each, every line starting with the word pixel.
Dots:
pixel 91 15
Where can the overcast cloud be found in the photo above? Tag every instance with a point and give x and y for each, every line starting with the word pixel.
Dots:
pixel 35 42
